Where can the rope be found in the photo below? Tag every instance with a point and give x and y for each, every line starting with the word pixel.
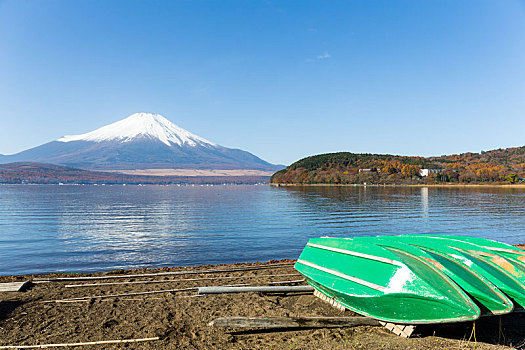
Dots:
pixel 473 334
pixel 500 332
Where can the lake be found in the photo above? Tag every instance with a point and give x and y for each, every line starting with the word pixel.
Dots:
pixel 47 228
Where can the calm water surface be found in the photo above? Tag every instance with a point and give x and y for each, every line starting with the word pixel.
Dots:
pixel 99 228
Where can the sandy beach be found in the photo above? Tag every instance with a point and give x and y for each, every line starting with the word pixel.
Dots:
pixel 72 311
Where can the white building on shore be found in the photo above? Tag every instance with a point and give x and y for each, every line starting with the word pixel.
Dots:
pixel 426 172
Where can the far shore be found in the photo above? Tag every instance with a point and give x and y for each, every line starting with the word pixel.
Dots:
pixel 192 172
pixel 400 185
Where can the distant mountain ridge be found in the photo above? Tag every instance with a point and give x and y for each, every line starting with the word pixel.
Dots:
pixel 495 166
pixel 140 141
pixel 39 173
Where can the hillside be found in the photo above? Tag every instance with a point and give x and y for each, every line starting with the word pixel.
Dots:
pixel 496 166
pixel 38 173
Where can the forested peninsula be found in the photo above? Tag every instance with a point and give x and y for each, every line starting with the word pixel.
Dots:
pixel 501 166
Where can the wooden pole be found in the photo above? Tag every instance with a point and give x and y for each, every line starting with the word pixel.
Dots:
pixel 293 322
pixel 264 289
pixel 126 294
pixel 174 280
pixel 66 345
pixel 88 278
pixel 119 295
pixel 287 282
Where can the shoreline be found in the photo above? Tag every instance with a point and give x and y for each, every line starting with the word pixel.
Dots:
pixel 138 271
pixel 121 306
pixel 147 270
pixel 402 185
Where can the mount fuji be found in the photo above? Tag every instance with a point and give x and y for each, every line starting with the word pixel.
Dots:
pixel 140 141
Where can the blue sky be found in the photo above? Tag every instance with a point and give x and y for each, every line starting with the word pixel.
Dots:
pixel 281 79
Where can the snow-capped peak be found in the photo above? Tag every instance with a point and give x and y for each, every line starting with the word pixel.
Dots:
pixel 140 125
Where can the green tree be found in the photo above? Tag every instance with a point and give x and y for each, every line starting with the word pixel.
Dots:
pixel 511 178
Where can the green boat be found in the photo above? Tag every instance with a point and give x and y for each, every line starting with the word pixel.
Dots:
pixel 506 250
pixel 390 283
pixel 503 273
pixel 488 297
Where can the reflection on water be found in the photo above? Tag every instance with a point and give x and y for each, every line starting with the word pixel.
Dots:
pixel 496 213
pixel 83 228
pixel 424 200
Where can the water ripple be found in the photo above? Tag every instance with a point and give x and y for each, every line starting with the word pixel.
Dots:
pixel 95 228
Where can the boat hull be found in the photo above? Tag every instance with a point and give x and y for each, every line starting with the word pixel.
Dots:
pixel 487 296
pixel 385 283
pixel 507 275
pixel 506 250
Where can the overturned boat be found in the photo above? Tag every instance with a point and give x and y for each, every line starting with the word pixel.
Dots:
pixel 505 250
pixel 415 279
pixel 506 274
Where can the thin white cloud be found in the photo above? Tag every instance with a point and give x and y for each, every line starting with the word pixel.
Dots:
pixel 200 90
pixel 324 56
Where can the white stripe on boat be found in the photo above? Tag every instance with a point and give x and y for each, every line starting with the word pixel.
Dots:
pixel 505 250
pixel 342 275
pixel 361 255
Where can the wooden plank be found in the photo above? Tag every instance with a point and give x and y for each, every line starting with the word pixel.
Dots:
pixel 66 345
pixel 189 272
pixel 403 330
pixel 329 300
pixel 293 322
pixel 13 286
pixel 263 289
